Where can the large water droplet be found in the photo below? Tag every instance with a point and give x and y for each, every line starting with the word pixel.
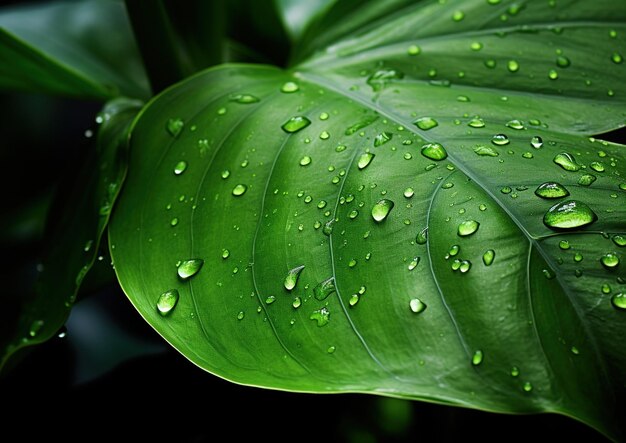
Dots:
pixel 468 227
pixel 174 126
pixel 189 268
pixel 244 99
pixel 180 167
pixel 417 305
pixel 425 123
pixel 409 192
pixel 566 161
pixel 422 236
pixel 413 264
pixel 486 151
pixel 488 257
pixel 551 190
pixel 586 179
pixel 434 151
pixel 500 140
pixel 465 266
pixel 292 277
pixel 610 260
pixel 324 289
pixel 569 214
pixel 167 302
pixel 515 124
pixel 477 358
pixel 289 87
pixel 476 122
pixel 239 190
pixel 365 160
pixel 322 316
pixel 294 124
pixel 382 138
pixel 619 240
pixel 619 301
pixel 381 210
pixel 597 166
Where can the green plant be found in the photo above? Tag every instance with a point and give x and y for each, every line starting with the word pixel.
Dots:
pixel 417 205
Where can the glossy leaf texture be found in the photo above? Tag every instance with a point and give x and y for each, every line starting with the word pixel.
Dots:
pixel 75 231
pixel 77 49
pixel 370 220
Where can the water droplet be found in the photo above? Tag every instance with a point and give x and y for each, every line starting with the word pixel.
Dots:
pixel 379 79
pixel 381 210
pixel 568 215
pixel 174 221
pixel 365 160
pixel 434 151
pixel 167 302
pixel 566 161
pixel 189 268
pixel 35 327
pixel 414 50
pixel 476 122
pixel 597 166
pixel 488 257
pixel 292 277
pixel 243 99
pixel 458 16
pixel 515 124
pixel 180 167
pixel 225 253
pixel 578 257
pixel 241 315
pixel 225 174
pixel 575 350
pixel 484 150
pixel 239 190
pixel 562 61
pixel 354 299
pixel 447 185
pixel 606 288
pixel 536 142
pixel 322 316
pixel 619 240
pixel 425 123
pixel 619 301
pixel 551 190
pixel 476 46
pixel 294 124
pixel 586 179
pixel 512 66
pixel 353 214
pixel 610 260
pixel 269 300
pixel 465 266
pixel 617 58
pixel 324 135
pixel 413 264
pixel 514 371
pixel 382 138
pixel 174 126
pixel 417 306
pixel 527 386
pixel 328 227
pixel 552 74
pixel 323 289
pixel 528 155
pixel 331 349
pixel 289 87
pixel 491 64
pixel 477 358
pixel 468 227
pixel 564 244
pixel 500 140
pixel 422 236
pixel 409 192
pixel 506 190
pixel 454 250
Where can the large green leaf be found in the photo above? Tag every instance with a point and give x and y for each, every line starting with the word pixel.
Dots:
pixel 79 49
pixel 534 329
pixel 74 232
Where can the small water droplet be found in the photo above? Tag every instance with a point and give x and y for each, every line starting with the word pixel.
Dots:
pixel 417 306
pixel 322 316
pixel 552 74
pixel 174 221
pixel 381 210
pixel 295 124
pixel 35 327
pixel 331 349
pixel 292 277
pixel 422 236
pixel 434 151
pixel 354 299
pixel 488 257
pixel 566 161
pixel 514 371
pixel 167 302
pixel 88 245
pixel 512 66
pixel 528 155
pixel 562 61
pixel 241 315
pixel 382 138
pixel 324 135
pixel 569 214
pixel 536 142
pixel 413 264
pixel 239 190
pixel 476 46
pixel 619 301
pixel 270 299
pixel 564 244
pixel 454 250
pixel 289 87
pixel 617 58
pixel 515 124
pixel 425 123
pixel 586 179
pixel 225 174
pixel 575 350
pixel 597 166
pixel 610 260
pixel 225 253
pixel 619 240
pixel 328 227
pixel 465 266
pixel 476 122
pixel 500 140
pixel 550 190
pixel 189 268
pixel 477 358
pixel 409 192
pixel 244 99
pixel 457 16
pixel 468 227
pixel 174 126
pixel 180 167
pixel 578 257
pixel 484 150
pixel 414 50
pixel 606 288
pixel 527 386
pixel 323 289
pixel 365 160
pixel 353 214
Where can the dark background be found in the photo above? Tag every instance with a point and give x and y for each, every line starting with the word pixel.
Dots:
pixel 113 377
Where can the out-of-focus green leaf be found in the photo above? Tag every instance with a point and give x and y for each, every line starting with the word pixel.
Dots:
pixel 297 14
pixel 77 49
pixel 74 236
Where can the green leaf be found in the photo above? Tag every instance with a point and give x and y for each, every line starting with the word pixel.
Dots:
pixel 297 15
pixel 74 237
pixel 489 308
pixel 77 49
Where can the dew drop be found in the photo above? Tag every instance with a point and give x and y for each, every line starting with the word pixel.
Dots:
pixel 413 264
pixel 174 126
pixel 291 280
pixel 364 160
pixel 354 299
pixel 552 74
pixel 382 138
pixel 484 150
pixel 324 135
pixel 270 299
pixel 527 387
pixel 289 87
pixel 321 316
pixel 586 179
pixel 422 236
pixel 514 371
pixel 417 306
pixel 465 266
pixel 323 289
pixel 189 268
pixel 468 227
pixel 619 240
pixel 244 99
pixel 562 61
pixel 610 260
pixel 564 244
pixel 551 190
pixel 35 327
pixel 414 50
pixel 295 124
pixel 409 192
pixel 597 166
pixel 617 58
pixel 477 358
pixel 180 167
pixel 569 214
pixel 241 315
pixel 454 250
pixel 425 123
pixel 225 174
pixel 381 210
pixel 536 142
pixel 515 124
pixel 619 301
pixel 512 66
pixel 167 302
pixel 434 151
pixel 488 257
pixel 566 161
pixel 476 122
pixel 500 140
pixel 239 190
pixel 225 253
